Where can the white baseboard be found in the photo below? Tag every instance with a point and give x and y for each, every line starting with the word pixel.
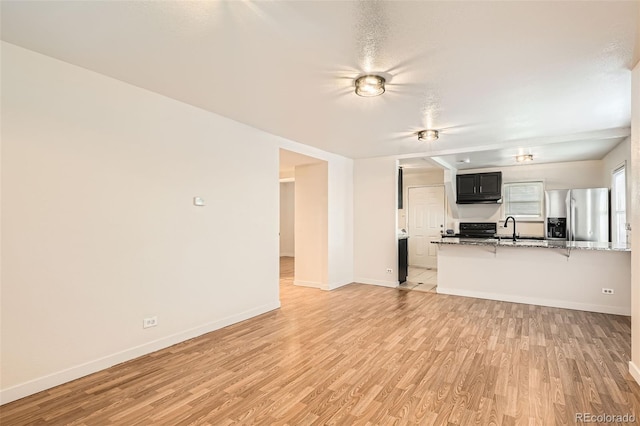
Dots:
pixel 616 310
pixel 634 371
pixel 338 285
pixel 321 286
pixel 314 284
pixel 392 284
pixel 46 382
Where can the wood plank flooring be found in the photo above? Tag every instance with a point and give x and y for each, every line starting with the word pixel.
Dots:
pixel 365 355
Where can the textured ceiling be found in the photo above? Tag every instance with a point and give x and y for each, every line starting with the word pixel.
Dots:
pixel 487 74
pixel 579 150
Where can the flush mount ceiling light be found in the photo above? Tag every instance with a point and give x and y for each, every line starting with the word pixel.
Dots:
pixel 524 157
pixel 428 135
pixel 370 85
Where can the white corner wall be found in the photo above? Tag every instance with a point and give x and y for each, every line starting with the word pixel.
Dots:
pixel 634 365
pixel 99 229
pixel 375 220
pixel 287 216
pixel 340 222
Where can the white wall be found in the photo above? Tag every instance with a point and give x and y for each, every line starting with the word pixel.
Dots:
pixel 98 226
pixel 375 233
pixel 576 174
pixel 416 177
pixel 634 366
pixel 287 216
pixel 311 225
pixel 340 222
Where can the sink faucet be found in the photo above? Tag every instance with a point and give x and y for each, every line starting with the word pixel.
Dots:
pixel 514 225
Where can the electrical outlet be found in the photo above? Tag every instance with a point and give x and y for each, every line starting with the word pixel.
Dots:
pixel 389 271
pixel 149 322
pixel 607 291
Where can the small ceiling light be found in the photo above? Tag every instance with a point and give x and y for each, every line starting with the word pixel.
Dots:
pixel 465 161
pixel 370 85
pixel 524 157
pixel 428 135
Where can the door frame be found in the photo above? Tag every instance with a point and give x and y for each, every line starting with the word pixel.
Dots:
pixel 408 204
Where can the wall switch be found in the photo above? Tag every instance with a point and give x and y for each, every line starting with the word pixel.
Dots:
pixel 149 322
pixel 389 271
pixel 198 201
pixel 607 291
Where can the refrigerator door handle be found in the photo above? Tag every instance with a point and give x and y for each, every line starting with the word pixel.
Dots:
pixel 569 221
pixel 572 215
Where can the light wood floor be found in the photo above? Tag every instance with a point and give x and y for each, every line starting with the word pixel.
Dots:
pixel 365 355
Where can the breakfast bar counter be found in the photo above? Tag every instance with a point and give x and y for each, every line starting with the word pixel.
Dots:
pixel 534 243
pixel 575 275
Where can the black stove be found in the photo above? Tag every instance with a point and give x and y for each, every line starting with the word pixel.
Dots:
pixel 477 230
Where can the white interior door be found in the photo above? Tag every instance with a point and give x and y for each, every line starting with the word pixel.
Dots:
pixel 426 222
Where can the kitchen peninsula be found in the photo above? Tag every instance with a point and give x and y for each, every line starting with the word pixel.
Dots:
pixel 573 275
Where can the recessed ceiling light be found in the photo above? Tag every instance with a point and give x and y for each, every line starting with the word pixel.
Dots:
pixel 370 85
pixel 466 160
pixel 524 157
pixel 428 135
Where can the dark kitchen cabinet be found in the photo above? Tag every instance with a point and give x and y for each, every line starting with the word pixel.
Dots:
pixel 403 260
pixel 479 188
pixel 466 185
pixel 400 192
pixel 489 184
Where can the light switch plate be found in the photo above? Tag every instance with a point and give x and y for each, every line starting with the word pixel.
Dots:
pixel 198 201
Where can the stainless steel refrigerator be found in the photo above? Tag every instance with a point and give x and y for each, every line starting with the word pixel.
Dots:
pixel 577 214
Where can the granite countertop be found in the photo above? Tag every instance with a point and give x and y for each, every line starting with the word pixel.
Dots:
pixel 533 243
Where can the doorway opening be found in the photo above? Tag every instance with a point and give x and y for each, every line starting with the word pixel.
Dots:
pixel 303 232
pixel 425 217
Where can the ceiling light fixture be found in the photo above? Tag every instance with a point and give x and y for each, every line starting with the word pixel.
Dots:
pixel 370 85
pixel 524 157
pixel 428 135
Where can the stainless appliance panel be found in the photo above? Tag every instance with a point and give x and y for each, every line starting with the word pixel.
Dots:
pixel 557 228
pixel 555 202
pixel 588 215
